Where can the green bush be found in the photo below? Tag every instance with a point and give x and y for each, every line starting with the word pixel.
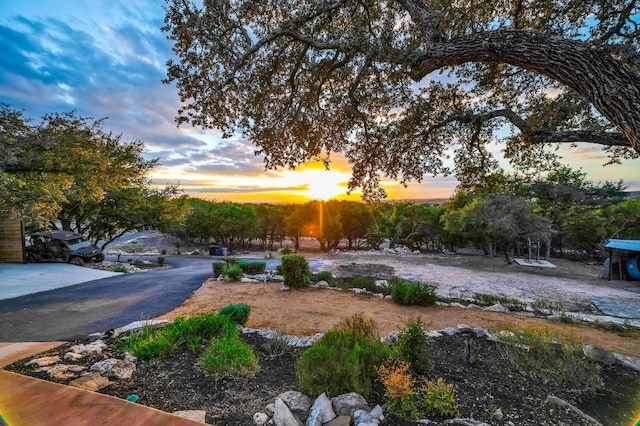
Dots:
pixel 233 272
pixel 325 276
pixel 252 267
pixel 237 312
pixel 218 267
pixel 120 269
pixel 160 260
pixel 407 293
pixel 182 333
pixel 228 355
pixel 412 346
pixel 230 260
pixel 279 270
pixel 296 271
pixel 343 361
pixel 439 397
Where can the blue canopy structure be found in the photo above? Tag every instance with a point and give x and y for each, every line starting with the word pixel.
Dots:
pixel 631 245
pixel 632 264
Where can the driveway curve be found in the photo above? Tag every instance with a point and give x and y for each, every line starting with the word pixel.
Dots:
pixel 73 312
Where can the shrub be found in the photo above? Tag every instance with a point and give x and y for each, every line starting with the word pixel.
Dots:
pixel 251 267
pixel 325 276
pixel 218 267
pixel 398 387
pixel 279 270
pixel 412 346
pixel 160 260
pixel 182 333
pixel 233 272
pixel 120 269
pixel 492 299
pixel 296 271
pixel 343 360
pixel 359 326
pixel 407 293
pixel 228 355
pixel 237 312
pixel 439 397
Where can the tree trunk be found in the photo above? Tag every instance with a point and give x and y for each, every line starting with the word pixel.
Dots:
pixel 610 85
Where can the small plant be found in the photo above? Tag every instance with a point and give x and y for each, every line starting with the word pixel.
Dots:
pixel 492 299
pixel 296 271
pixel 228 355
pixel 359 326
pixel 408 293
pixel 218 267
pixel 160 260
pixel 120 269
pixel 237 312
pixel 439 397
pixel 343 360
pixel 325 276
pixel 233 272
pixel 286 250
pixel 398 388
pixel 278 346
pixel 163 252
pixel 542 305
pixel 412 346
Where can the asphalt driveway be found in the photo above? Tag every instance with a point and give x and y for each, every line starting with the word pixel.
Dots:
pixel 99 304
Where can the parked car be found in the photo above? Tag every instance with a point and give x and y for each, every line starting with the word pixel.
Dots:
pixel 63 246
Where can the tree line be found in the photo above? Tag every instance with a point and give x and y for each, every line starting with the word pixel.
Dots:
pixel 561 213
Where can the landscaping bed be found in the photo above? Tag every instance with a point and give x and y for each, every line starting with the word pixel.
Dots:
pixel 491 389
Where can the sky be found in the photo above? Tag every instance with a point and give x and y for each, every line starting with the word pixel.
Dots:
pixel 106 58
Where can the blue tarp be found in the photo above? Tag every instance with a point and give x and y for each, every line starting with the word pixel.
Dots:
pixel 632 245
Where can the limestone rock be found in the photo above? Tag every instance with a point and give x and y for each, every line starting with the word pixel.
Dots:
pixel 449 331
pixel 348 403
pixel 92 382
pixel 497 308
pixel 72 356
pixel 282 416
pixel 364 418
pixel 298 403
pixel 112 367
pixel 377 412
pixel 44 361
pixel 260 419
pixel 57 372
pixel 464 328
pixel 195 415
pixel 321 284
pixel 339 421
pixel 316 418
pixel 323 405
pixel 599 355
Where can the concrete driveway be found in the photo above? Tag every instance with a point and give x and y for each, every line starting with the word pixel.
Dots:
pixel 22 279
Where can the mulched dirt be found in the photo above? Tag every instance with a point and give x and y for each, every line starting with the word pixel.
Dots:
pixel 491 390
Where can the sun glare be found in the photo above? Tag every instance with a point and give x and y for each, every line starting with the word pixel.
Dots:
pixel 324 191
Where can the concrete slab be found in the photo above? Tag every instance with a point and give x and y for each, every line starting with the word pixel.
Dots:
pixel 621 307
pixel 534 262
pixel 22 279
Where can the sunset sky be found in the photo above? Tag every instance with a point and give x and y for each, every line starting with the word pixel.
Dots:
pixel 106 58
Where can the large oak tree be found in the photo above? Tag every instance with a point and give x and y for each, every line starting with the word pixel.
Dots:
pixel 305 78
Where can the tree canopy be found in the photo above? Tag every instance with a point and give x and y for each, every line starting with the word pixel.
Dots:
pixel 68 172
pixel 303 79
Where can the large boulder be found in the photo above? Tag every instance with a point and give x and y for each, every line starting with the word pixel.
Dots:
pixel 298 403
pixel 282 416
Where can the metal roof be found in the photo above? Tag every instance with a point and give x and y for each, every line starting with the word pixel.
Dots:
pixel 632 245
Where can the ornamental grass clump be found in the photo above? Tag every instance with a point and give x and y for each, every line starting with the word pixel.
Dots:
pixel 182 333
pixel 237 312
pixel 228 356
pixel 343 360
